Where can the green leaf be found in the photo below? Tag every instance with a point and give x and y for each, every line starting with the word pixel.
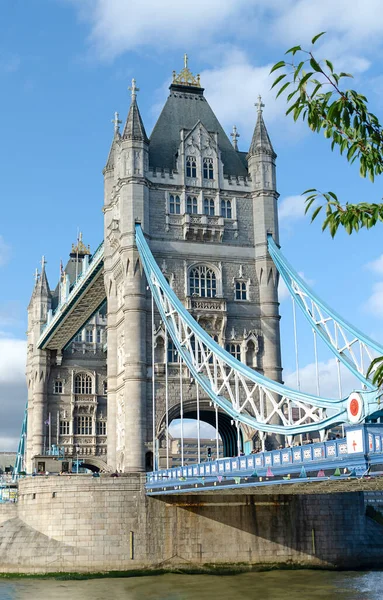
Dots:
pixel 315 213
pixel 278 65
pixel 293 50
pixel 309 191
pixel 315 65
pixel 330 65
pixel 283 89
pixel 304 79
pixel 278 79
pixel 316 37
pixel 345 75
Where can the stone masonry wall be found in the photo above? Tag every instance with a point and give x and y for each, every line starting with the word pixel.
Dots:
pixel 87 524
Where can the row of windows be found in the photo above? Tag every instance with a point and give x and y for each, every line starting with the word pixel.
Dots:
pixel 83 384
pixel 192 206
pixel 233 348
pixel 84 426
pixel 207 167
pixel 89 336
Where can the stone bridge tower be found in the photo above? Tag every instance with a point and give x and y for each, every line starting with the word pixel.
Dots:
pixel 206 209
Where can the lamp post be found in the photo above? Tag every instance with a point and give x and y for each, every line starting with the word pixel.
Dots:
pixel 77 451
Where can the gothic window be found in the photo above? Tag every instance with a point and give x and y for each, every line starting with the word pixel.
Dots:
pixel 208 207
pixel 191 205
pixel 58 387
pixel 98 335
pixel 89 336
pixel 198 357
pixel 100 428
pixel 202 282
pixel 191 167
pixel 172 352
pixel 250 354
pixel 234 350
pixel 83 384
pixel 226 211
pixel 240 290
pixel 159 350
pixel 174 205
pixel 208 168
pixel 84 425
pixel 64 427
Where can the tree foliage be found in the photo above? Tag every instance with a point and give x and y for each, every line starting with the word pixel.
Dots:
pixel 316 95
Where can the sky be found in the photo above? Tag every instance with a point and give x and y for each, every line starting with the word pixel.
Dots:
pixel 65 67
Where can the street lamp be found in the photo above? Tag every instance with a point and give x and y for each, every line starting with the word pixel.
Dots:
pixel 77 451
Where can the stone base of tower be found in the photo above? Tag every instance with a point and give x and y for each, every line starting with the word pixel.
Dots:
pixel 84 524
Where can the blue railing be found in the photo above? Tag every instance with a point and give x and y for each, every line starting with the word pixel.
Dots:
pixel 361 449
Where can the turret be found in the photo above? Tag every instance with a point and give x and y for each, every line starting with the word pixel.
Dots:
pixel 261 164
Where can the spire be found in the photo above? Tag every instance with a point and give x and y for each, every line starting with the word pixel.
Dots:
pixel 260 141
pixel 42 285
pixel 235 135
pixel 134 128
pixel 117 136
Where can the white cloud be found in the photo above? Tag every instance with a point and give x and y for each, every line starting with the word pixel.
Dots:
pixel 118 25
pixel 374 304
pixel 376 265
pixel 4 251
pixel 13 391
pixel 190 429
pixel 328 379
pixel 291 208
pixel 13 354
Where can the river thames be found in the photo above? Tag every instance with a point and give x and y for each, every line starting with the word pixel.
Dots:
pixel 273 585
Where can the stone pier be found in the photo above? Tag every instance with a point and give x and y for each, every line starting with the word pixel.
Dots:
pixel 84 524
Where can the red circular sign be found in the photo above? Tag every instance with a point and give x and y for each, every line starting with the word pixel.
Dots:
pixel 354 407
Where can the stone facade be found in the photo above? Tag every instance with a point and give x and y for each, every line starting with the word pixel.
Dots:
pixel 206 209
pixel 84 524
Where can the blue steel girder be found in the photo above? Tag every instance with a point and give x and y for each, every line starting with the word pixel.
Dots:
pixel 243 393
pixel 86 297
pixel 350 346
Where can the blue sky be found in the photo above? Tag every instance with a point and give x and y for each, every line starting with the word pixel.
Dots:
pixel 65 66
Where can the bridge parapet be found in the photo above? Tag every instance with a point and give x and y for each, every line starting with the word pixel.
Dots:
pixel 360 452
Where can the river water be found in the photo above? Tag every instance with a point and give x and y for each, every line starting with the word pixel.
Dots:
pixel 273 585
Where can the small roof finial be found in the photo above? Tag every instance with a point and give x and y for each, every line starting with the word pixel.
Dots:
pixel 43 263
pixel 186 60
pixel 134 89
pixel 259 104
pixel 36 276
pixel 235 135
pixel 116 122
pixel 185 77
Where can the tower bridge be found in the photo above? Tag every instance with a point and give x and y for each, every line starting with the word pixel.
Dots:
pixel 175 316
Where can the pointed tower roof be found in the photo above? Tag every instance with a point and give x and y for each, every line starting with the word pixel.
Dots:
pixel 134 127
pixel 42 285
pixel 184 108
pixel 117 136
pixel 261 141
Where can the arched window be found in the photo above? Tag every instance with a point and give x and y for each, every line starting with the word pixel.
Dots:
pixel 208 207
pixel 240 290
pixel 191 205
pixel 82 384
pixel 172 352
pixel 250 354
pixel 208 168
pixel 234 350
pixel 174 205
pixel 191 167
pixel 226 209
pixel 159 350
pixel 202 282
